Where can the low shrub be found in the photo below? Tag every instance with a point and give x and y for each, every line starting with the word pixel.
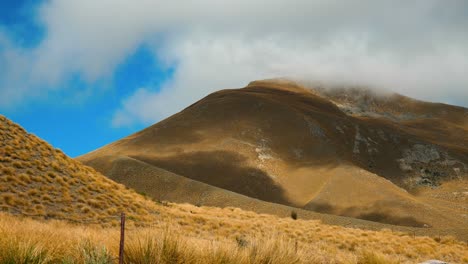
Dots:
pixel 294 215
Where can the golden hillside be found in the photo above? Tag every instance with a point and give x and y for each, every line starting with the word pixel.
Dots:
pixel 167 232
pixel 288 144
pixel 36 179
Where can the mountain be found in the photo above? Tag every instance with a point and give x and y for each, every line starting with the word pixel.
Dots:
pixel 40 181
pixel 341 151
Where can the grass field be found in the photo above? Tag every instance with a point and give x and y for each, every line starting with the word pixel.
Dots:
pixel 206 238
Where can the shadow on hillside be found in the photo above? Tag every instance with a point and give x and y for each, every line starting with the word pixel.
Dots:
pixel 373 213
pixel 222 169
pixel 301 128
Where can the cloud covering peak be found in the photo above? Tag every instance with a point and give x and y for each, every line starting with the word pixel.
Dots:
pixel 417 48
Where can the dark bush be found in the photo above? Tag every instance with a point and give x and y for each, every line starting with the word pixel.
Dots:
pixel 294 215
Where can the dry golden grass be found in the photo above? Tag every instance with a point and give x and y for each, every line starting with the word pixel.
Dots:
pixel 31 241
pixel 54 183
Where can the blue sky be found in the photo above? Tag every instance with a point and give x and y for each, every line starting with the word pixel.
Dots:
pixel 74 124
pixel 81 74
pixel 18 18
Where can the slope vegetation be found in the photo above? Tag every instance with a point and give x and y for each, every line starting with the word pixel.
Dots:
pixel 208 235
pixel 38 180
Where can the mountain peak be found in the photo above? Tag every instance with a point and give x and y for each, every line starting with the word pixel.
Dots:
pixel 353 152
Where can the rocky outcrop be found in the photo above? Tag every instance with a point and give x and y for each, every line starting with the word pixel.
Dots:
pixel 428 165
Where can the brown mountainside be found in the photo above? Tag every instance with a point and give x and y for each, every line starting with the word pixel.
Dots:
pixel 385 158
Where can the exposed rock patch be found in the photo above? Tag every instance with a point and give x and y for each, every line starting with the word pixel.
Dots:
pixel 421 153
pixel 428 165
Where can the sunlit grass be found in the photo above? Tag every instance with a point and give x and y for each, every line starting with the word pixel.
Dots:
pixel 56 182
pixel 46 184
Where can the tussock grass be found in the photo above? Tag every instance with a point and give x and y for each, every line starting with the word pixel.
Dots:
pixel 30 165
pixel 167 248
pixel 168 242
pixel 22 253
pixel 368 257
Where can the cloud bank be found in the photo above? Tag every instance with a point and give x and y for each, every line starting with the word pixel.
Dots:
pixel 417 48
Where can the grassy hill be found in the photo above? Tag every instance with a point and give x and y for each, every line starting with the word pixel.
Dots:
pixel 168 232
pixel 341 152
pixel 36 179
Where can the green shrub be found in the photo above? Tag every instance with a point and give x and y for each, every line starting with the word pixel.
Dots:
pixel 95 255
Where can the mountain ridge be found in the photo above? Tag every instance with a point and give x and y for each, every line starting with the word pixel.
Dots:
pixel 285 143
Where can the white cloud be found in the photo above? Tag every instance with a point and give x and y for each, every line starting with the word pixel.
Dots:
pixel 418 48
pixel 230 62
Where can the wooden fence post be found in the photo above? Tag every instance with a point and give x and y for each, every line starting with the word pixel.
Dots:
pixel 122 238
